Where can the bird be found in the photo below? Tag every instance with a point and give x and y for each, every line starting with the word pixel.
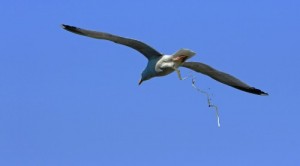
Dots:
pixel 162 64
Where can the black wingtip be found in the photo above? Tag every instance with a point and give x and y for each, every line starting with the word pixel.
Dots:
pixel 253 91
pixel 259 92
pixel 64 26
pixel 71 29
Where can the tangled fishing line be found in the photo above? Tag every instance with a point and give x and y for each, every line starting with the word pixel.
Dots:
pixel 208 97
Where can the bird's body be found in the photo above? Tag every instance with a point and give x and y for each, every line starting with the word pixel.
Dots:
pixel 161 65
pixel 167 64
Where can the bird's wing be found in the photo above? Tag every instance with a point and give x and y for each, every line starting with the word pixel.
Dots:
pixel 222 77
pixel 141 47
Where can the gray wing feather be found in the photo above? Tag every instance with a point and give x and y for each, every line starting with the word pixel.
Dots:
pixel 141 47
pixel 222 77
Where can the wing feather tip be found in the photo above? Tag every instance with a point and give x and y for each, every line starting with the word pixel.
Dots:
pixel 258 92
pixel 253 91
pixel 64 26
pixel 68 27
pixel 72 29
pixel 264 94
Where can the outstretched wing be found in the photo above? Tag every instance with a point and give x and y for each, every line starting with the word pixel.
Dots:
pixel 222 77
pixel 141 47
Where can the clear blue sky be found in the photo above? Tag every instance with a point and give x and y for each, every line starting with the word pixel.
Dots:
pixel 71 100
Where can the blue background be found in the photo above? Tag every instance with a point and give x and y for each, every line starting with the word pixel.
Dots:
pixel 72 100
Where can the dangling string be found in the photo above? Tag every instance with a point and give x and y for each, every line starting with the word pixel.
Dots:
pixel 210 104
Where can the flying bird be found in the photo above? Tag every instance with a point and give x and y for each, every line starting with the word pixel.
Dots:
pixel 161 64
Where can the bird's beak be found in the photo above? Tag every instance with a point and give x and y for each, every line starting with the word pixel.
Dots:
pixel 140 82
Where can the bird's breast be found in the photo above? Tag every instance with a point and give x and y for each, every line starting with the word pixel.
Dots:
pixel 164 66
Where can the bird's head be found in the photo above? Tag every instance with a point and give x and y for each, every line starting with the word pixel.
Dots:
pixel 145 76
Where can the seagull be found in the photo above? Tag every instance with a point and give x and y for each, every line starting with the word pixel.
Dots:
pixel 160 64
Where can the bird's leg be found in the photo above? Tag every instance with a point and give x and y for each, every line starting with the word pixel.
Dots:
pixel 179 60
pixel 179 74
